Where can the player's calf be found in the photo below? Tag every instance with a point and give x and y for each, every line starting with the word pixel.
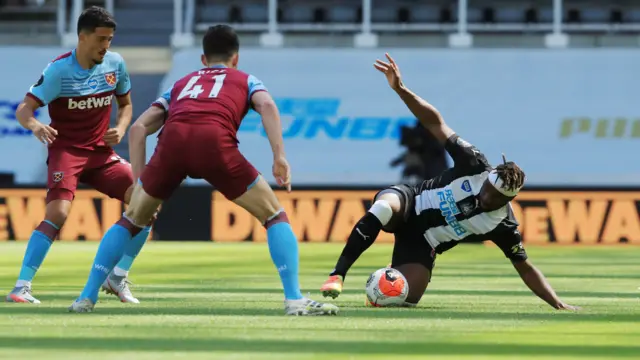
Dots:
pixel 384 209
pixel 39 243
pixel 262 203
pixel 142 207
pixel 112 246
pixel 418 277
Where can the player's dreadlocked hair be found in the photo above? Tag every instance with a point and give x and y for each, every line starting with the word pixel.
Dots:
pixel 511 174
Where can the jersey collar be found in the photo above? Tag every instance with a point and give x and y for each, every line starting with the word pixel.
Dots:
pixel 74 56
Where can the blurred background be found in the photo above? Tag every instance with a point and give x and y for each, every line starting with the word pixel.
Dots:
pixel 552 84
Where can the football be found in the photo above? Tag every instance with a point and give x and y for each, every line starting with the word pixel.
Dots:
pixel 387 287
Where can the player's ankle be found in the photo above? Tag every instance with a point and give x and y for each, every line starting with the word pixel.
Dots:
pixel 21 283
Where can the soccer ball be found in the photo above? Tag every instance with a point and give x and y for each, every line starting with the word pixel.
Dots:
pixel 387 287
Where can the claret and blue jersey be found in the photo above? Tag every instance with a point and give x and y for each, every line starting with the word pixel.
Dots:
pixel 229 91
pixel 79 99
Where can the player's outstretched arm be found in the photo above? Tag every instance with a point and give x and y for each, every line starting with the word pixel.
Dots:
pixel 265 106
pixel 26 116
pixel 426 113
pixel 148 123
pixel 536 281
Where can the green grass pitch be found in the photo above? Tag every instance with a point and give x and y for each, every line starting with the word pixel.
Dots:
pixel 223 301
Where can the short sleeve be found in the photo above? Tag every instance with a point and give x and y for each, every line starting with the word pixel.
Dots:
pixel 254 85
pixel 466 156
pixel 510 242
pixel 48 86
pixel 124 82
pixel 164 100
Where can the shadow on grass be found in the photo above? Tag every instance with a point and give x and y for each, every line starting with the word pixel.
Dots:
pixel 313 347
pixel 350 312
pixel 219 290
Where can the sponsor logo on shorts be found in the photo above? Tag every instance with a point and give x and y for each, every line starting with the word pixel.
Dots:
pixel 90 103
pixel 57 176
pixel 449 210
pixel 110 78
pixel 466 186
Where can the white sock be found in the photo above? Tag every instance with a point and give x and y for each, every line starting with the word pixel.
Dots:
pixel 120 272
pixel 21 283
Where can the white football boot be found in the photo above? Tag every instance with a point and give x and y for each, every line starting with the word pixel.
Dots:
pixel 119 286
pixel 82 306
pixel 308 307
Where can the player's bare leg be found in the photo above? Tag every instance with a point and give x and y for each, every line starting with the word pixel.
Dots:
pixel 140 211
pixel 117 283
pixel 385 212
pixel 41 239
pixel 262 203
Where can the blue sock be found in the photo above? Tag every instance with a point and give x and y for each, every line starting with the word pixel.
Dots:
pixel 283 247
pixel 37 249
pixel 109 252
pixel 132 249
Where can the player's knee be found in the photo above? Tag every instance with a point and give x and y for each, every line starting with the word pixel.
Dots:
pixel 127 194
pixel 57 212
pixel 260 201
pixel 418 277
pixel 142 208
pixel 392 199
pixel 388 208
pixel 138 216
pixel 382 210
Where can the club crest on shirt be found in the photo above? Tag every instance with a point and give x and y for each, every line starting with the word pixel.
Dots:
pixel 110 78
pixel 467 206
pixel 57 176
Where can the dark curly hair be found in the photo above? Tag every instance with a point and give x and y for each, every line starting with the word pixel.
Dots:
pixel 511 174
pixel 95 17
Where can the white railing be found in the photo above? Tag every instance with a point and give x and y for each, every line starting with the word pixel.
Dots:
pixel 555 29
pixel 61 18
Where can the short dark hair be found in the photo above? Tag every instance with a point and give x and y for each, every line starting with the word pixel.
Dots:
pixel 220 42
pixel 95 17
pixel 511 174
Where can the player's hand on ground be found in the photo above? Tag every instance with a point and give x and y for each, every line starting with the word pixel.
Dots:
pixel 282 172
pixel 44 133
pixel 563 306
pixel 113 136
pixel 391 72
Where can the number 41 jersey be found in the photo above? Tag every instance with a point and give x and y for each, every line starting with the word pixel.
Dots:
pixel 215 95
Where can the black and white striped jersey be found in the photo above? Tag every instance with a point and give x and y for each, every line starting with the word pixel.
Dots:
pixel 447 208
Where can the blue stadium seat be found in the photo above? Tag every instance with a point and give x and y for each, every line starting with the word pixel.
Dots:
pixel 342 14
pixel 256 12
pixel 510 14
pixel 214 13
pixel 302 13
pixel 424 13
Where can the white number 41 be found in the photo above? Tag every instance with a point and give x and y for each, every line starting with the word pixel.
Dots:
pixel 193 91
